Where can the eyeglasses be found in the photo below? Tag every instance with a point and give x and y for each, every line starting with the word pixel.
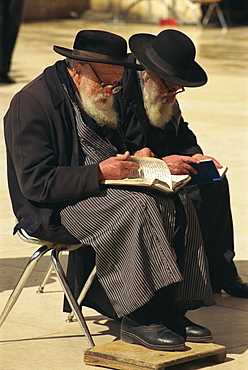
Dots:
pixel 171 92
pixel 115 89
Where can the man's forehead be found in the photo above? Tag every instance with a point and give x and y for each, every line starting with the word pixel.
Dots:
pixel 159 78
pixel 108 68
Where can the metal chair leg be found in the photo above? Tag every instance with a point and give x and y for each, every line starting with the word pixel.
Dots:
pixel 73 303
pixel 208 14
pixel 83 292
pixel 24 277
pixel 221 18
pixel 219 14
pixel 47 276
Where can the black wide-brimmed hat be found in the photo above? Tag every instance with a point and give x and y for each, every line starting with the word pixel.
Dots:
pixel 170 55
pixel 99 47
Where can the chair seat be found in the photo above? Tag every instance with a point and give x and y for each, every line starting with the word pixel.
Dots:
pixel 206 1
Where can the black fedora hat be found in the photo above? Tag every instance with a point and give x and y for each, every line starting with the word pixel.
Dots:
pixel 99 47
pixel 170 55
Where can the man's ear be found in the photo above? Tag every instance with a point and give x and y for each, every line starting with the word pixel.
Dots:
pixel 145 76
pixel 77 72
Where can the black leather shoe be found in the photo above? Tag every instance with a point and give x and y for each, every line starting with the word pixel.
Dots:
pixel 153 336
pixel 197 333
pixel 236 288
pixel 190 331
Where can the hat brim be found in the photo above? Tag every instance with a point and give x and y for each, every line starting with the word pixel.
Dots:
pixel 139 45
pixel 68 53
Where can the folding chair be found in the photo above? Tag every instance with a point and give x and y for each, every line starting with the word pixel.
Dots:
pixel 56 250
pixel 212 5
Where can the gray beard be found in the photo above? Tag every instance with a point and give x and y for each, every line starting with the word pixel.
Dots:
pixel 103 114
pixel 159 111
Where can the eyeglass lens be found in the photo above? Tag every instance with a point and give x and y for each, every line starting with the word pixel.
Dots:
pixel 115 89
pixel 172 92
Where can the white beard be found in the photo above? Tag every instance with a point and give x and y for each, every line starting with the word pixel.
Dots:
pixel 159 111
pixel 104 114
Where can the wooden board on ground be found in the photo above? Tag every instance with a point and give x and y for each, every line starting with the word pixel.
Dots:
pixel 123 356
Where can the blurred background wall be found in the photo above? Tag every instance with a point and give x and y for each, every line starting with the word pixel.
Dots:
pixel 35 10
pixel 236 11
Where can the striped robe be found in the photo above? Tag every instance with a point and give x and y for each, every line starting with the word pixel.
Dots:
pixel 131 231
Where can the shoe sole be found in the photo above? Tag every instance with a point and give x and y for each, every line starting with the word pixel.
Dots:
pixel 198 340
pixel 134 339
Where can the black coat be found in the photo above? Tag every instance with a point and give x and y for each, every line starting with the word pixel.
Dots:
pixel 42 156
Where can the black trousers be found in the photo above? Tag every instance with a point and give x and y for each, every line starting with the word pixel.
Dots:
pixel 212 203
pixel 10 19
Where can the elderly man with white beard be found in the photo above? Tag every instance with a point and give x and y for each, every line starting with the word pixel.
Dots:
pixel 62 137
pixel 151 117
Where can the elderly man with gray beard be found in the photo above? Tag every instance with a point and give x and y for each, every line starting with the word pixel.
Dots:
pixel 151 117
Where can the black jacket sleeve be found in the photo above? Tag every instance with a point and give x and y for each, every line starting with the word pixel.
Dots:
pixel 39 149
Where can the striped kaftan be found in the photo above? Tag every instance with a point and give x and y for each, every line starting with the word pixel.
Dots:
pixel 131 231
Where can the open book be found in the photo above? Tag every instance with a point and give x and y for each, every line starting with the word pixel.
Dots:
pixel 206 172
pixel 153 173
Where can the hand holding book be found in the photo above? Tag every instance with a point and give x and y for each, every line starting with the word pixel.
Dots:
pixel 153 173
pixel 115 168
pixel 207 172
pixel 202 169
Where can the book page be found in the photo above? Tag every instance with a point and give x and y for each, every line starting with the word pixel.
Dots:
pixel 177 180
pixel 222 171
pixel 151 168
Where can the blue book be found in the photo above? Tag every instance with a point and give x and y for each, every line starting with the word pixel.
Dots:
pixel 206 172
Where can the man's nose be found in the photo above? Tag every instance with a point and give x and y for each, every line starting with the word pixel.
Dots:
pixel 109 92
